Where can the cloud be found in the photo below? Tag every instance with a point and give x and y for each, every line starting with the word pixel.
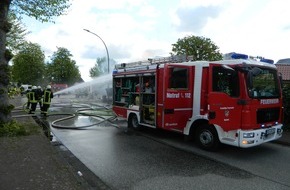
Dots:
pixel 116 52
pixel 195 19
pixel 119 51
pixel 90 52
pixel 136 30
pixel 287 27
pixel 153 53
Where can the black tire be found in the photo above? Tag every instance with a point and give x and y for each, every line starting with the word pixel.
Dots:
pixel 207 138
pixel 133 122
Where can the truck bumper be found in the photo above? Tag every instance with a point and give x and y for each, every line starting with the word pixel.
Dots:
pixel 256 137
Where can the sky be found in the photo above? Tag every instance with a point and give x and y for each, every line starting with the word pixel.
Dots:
pixel 135 30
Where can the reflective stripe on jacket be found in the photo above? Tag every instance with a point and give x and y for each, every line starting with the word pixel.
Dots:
pixel 32 97
pixel 47 95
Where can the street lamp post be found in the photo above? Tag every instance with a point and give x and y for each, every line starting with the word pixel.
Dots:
pixel 104 45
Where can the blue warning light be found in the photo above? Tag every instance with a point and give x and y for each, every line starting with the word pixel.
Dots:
pixel 270 61
pixel 239 56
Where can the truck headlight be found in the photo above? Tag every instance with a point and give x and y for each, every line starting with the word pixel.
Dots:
pixel 248 142
pixel 248 135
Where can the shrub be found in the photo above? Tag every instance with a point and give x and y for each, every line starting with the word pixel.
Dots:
pixel 14 128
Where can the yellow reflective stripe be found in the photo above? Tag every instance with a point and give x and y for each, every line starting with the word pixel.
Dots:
pixel 32 97
pixel 46 97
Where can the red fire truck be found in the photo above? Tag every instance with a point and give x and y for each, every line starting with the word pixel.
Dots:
pixel 236 102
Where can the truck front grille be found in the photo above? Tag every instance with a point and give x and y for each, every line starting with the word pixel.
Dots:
pixel 268 115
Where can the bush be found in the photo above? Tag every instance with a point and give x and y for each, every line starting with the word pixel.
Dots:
pixel 13 129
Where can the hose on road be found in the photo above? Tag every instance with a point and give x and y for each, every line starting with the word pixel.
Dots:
pixel 106 116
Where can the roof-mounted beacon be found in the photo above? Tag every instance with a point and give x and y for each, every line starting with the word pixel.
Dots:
pixel 234 55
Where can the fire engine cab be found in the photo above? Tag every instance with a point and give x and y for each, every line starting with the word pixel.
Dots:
pixel 236 101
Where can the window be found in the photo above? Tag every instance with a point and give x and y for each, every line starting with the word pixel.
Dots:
pixel 225 80
pixel 178 78
pixel 265 85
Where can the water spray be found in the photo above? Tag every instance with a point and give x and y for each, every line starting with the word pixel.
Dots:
pixel 97 85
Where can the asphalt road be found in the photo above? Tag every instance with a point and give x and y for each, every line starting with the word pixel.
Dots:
pixel 157 160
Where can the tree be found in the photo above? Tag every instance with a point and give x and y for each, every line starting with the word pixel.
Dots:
pixel 200 48
pixel 97 69
pixel 62 68
pixel 101 67
pixel 28 65
pixel 16 36
pixel 42 10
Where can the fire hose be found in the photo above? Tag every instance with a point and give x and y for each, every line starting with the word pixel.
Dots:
pixel 81 111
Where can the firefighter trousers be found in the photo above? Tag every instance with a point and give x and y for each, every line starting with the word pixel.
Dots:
pixel 28 105
pixel 44 109
pixel 33 107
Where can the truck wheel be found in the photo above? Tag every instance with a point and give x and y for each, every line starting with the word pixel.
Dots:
pixel 207 138
pixel 133 122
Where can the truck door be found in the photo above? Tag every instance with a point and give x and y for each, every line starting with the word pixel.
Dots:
pixel 177 97
pixel 223 98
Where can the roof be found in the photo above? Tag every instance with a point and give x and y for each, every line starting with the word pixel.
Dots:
pixel 284 69
pixel 286 60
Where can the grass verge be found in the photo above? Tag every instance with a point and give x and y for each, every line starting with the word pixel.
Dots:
pixel 14 129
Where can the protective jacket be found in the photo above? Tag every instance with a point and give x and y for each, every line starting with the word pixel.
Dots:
pixel 32 97
pixel 47 95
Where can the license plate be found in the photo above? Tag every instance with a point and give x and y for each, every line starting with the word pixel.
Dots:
pixel 270 131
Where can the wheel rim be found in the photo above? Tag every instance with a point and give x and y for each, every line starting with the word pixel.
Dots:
pixel 206 138
pixel 135 122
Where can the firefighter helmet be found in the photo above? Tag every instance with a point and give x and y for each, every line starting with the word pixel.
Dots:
pixel 48 87
pixel 34 87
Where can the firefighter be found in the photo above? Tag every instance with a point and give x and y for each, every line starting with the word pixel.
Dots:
pixel 47 95
pixel 28 97
pixel 39 96
pixel 33 99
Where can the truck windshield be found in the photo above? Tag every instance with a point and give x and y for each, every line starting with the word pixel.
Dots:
pixel 264 84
